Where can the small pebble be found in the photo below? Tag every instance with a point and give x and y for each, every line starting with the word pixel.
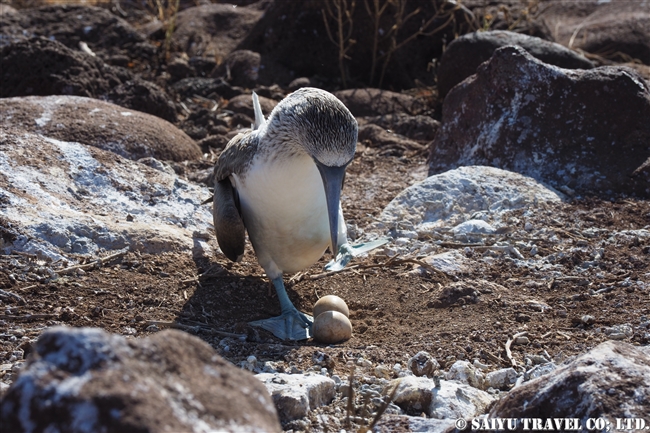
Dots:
pixel 521 340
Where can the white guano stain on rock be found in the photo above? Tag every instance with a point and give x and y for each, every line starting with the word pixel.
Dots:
pixel 66 197
pixel 453 197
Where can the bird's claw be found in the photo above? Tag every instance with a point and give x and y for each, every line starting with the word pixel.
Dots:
pixel 291 325
pixel 347 252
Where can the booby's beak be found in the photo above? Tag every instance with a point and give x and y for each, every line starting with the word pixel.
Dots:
pixel 333 182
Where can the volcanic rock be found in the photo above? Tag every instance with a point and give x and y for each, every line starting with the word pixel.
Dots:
pixel 453 197
pixel 106 34
pixel 463 56
pixel 377 102
pixel 65 197
pixel 419 127
pixel 616 30
pixel 445 399
pixel 206 87
pixel 240 68
pixel 243 104
pixel 128 133
pixel 85 379
pixel 376 136
pixel 295 395
pixel 587 130
pixel 610 381
pixel 40 66
pixel 213 30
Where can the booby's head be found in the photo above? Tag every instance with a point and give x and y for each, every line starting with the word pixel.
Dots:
pixel 318 123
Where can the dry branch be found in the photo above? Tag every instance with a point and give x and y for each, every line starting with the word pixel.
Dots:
pixel 509 343
pixel 94 264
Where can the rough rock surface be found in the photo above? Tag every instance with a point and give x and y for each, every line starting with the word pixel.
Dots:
pixel 40 66
pixel 128 133
pixel 501 379
pixel 376 136
pixel 464 54
pixel 454 196
pixel 213 30
pixel 465 372
pixel 615 29
pixel 420 394
pixel 70 198
pixel 240 68
pixel 87 380
pixel 418 127
pixel 206 87
pixel 106 34
pixel 587 130
pixel 243 104
pixel 377 102
pixel 295 395
pixel 610 381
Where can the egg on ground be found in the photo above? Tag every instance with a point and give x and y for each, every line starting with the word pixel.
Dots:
pixel 332 327
pixel 331 303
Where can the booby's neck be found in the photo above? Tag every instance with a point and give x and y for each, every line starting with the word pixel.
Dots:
pixel 277 144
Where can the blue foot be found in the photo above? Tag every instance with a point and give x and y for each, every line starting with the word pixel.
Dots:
pixel 291 324
pixel 347 252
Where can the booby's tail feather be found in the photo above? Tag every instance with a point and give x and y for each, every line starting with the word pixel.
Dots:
pixel 259 116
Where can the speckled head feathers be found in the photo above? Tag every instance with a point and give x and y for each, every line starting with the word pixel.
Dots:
pixel 318 122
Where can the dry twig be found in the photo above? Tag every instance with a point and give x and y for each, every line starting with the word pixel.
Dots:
pixel 94 264
pixel 509 343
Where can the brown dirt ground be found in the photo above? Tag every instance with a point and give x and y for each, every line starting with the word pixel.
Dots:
pixel 395 312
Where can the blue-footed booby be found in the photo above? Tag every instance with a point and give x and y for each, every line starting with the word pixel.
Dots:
pixel 282 183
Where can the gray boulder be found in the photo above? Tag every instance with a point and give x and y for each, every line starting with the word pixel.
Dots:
pixel 295 395
pixel 65 197
pixel 377 102
pixel 240 68
pixel 617 30
pixel 587 130
pixel 112 38
pixel 85 379
pixel 463 56
pixel 213 30
pixel 610 381
pixel 442 400
pixel 40 66
pixel 128 133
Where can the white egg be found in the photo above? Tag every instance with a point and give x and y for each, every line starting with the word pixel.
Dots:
pixel 332 327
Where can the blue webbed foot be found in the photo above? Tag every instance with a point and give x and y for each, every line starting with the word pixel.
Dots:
pixel 347 252
pixel 291 324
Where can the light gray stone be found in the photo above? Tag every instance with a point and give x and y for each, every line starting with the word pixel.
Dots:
pixel 294 395
pixel 473 227
pixel 450 262
pixel 501 379
pixel 423 364
pixel 448 400
pixel 450 198
pixel 465 372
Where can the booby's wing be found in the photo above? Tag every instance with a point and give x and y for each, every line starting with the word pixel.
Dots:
pixel 228 223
